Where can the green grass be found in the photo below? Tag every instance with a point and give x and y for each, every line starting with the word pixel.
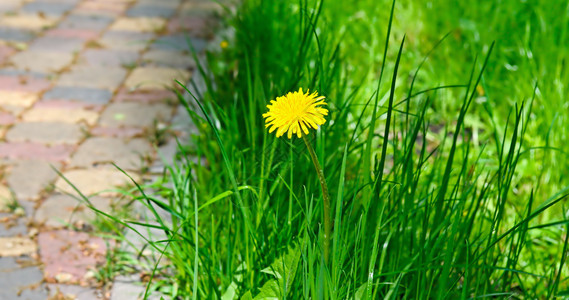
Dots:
pixel 430 152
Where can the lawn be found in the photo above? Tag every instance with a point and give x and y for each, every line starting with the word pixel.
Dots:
pixel 442 152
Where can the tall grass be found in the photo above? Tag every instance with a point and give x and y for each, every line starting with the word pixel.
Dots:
pixel 420 209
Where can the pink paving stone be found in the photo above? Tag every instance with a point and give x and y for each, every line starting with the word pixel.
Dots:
pixel 124 132
pixel 23 84
pixel 5 51
pixel 70 254
pixel 6 118
pixel 146 96
pixel 73 33
pixel 26 150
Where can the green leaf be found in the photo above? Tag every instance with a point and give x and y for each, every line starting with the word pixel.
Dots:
pixel 270 291
pixel 284 270
pixel 247 296
pixel 361 292
pixel 230 292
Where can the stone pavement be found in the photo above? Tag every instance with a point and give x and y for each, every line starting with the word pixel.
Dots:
pixel 83 84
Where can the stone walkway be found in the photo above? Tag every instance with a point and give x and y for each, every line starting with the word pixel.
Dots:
pixel 83 84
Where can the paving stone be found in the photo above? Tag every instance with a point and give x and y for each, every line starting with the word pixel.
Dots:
pixel 9 8
pixel 103 7
pixel 68 104
pixel 82 34
pixel 27 21
pixel 96 151
pixel 15 151
pixel 69 291
pixel 59 210
pixel 200 8
pixel 179 42
pixel 124 40
pixel 6 118
pixel 146 96
pixel 14 98
pixel 182 122
pixel 57 44
pixel 50 133
pixel 56 114
pixel 23 84
pixel 5 52
pixel 17 246
pixel 123 132
pixel 125 287
pixel 12 225
pixel 23 75
pixel 28 178
pixel 63 1
pixel 167 58
pixel 163 3
pixel 52 9
pixel 151 78
pixel 83 21
pixel 132 114
pixel 79 94
pixel 42 61
pixel 17 282
pixel 195 26
pixel 151 10
pixel 102 181
pixel 15 35
pixel 108 78
pixel 68 255
pixel 138 24
pixel 105 57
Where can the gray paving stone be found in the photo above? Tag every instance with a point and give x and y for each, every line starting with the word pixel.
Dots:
pixel 15 35
pixel 96 151
pixel 58 291
pixel 165 3
pixel 11 225
pixel 57 44
pixel 132 114
pixel 105 57
pixel 58 210
pixel 81 94
pixel 20 72
pixel 9 7
pixel 53 9
pixel 81 21
pixel 28 178
pixel 50 133
pixel 178 42
pixel 129 287
pixel 168 58
pixel 151 10
pixel 123 40
pixel 108 78
pixel 20 283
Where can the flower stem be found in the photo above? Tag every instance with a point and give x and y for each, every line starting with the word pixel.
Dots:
pixel 325 198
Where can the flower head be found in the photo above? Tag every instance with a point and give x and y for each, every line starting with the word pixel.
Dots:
pixel 295 113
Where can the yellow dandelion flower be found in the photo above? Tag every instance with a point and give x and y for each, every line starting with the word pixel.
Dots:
pixel 295 113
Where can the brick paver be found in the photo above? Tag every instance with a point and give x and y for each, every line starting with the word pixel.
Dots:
pixel 84 84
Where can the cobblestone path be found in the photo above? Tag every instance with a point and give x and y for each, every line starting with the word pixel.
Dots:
pixel 83 84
